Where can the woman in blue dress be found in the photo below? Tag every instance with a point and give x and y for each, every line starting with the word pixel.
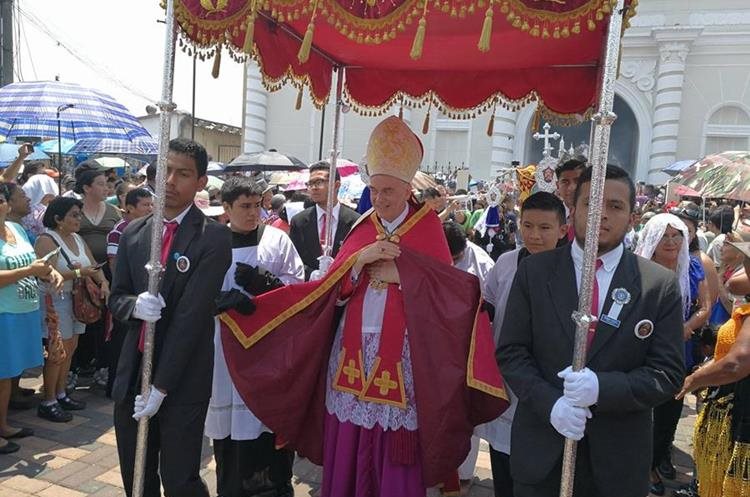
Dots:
pixel 20 320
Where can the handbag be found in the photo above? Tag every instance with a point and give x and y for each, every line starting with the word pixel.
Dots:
pixel 87 296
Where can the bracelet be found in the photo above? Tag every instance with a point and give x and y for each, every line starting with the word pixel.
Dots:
pixel 77 273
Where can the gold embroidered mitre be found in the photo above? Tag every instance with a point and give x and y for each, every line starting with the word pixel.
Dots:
pixel 394 150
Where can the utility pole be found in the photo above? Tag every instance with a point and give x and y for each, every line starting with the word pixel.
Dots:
pixel 6 36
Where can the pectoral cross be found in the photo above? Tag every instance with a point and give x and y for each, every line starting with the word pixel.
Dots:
pixel 385 383
pixel 351 372
pixel 546 136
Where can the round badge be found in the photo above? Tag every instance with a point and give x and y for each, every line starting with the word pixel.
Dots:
pixel 644 329
pixel 621 296
pixel 183 264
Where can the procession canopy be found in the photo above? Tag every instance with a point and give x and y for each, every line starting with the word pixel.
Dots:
pixel 459 56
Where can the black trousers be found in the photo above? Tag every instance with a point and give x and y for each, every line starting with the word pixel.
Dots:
pixel 666 417
pixel 583 485
pixel 501 479
pixel 173 458
pixel 119 331
pixel 246 468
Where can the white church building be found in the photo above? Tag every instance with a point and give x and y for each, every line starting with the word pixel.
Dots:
pixel 683 92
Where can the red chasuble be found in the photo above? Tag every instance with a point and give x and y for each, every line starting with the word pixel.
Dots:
pixel 278 357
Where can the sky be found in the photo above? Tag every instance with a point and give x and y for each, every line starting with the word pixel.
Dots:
pixel 117 46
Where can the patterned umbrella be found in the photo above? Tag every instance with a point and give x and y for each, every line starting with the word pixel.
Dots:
pixel 36 109
pixel 269 160
pixel 724 175
pixel 140 145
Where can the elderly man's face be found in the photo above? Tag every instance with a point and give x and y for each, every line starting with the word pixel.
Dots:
pixel 389 196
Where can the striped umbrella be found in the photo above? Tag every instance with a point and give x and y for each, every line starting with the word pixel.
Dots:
pixel 36 108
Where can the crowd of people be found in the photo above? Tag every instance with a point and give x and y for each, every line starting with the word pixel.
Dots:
pixel 269 354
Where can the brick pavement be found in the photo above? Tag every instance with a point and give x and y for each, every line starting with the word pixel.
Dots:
pixel 79 458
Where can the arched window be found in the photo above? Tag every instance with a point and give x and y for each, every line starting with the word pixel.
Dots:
pixel 728 128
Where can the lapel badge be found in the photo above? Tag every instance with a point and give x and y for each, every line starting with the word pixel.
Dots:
pixel 644 329
pixel 183 264
pixel 621 296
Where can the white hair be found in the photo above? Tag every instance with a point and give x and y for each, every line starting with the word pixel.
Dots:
pixel 651 235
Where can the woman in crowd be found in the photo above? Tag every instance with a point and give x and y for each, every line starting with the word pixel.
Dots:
pixel 98 219
pixel 732 273
pixel 20 321
pixel 721 438
pixel 63 220
pixel 690 213
pixel 664 240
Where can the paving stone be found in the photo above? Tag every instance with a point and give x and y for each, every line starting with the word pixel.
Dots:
pixel 108 491
pixel 58 475
pixel 58 491
pixel 72 453
pixel 86 475
pixel 100 455
pixel 111 477
pixel 24 484
pixel 9 492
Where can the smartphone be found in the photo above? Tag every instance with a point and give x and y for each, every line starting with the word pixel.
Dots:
pixel 49 256
pixel 28 148
pixel 100 265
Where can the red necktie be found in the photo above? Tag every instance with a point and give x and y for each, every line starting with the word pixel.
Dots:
pixel 594 307
pixel 322 234
pixel 170 229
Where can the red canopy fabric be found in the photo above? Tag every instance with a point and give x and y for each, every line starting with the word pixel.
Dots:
pixel 546 50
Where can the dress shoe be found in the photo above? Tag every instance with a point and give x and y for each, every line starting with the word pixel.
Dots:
pixel 666 468
pixel 54 413
pixel 70 404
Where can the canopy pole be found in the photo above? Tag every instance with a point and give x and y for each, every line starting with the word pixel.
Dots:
pixel 154 266
pixel 332 193
pixel 602 120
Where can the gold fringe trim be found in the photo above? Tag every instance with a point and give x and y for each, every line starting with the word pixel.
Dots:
pixel 471 380
pixel 713 446
pixel 372 29
pixel 737 480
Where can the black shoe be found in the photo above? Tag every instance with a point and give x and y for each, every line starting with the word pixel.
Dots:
pixel 689 490
pixel 9 447
pixel 53 413
pixel 71 405
pixel 666 468
pixel 22 433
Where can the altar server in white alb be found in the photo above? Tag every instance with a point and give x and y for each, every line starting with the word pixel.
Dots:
pixel 263 258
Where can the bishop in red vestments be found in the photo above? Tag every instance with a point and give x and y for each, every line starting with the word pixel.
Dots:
pixel 380 370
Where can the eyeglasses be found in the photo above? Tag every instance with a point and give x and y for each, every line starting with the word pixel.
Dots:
pixel 317 183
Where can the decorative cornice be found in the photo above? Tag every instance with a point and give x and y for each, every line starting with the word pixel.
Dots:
pixel 715 18
pixel 674 52
pixel 640 72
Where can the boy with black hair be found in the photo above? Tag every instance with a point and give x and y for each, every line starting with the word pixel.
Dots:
pixel 567 179
pixel 542 227
pixel 263 258
pixel 196 253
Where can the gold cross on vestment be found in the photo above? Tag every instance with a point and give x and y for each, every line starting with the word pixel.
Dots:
pixel 351 372
pixel 385 383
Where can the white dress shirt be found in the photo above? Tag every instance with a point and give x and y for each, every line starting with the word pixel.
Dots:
pixel 604 276
pixel 334 214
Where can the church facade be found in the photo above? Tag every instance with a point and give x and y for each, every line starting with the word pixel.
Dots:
pixel 683 92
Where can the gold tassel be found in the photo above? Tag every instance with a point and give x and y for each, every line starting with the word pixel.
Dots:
pixel 484 39
pixel 298 104
pixel 304 49
pixel 247 47
pixel 537 119
pixel 217 62
pixel 416 47
pixel 426 124
pixel 491 124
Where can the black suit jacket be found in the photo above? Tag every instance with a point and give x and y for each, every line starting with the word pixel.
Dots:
pixel 184 351
pixel 303 230
pixel 635 375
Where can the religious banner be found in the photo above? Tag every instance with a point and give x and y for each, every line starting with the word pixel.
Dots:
pixel 526 178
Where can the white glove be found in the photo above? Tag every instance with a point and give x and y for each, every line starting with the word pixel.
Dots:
pixel 568 420
pixel 148 307
pixel 147 407
pixel 581 388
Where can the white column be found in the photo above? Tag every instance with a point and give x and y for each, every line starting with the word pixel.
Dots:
pixel 256 107
pixel 503 136
pixel 674 47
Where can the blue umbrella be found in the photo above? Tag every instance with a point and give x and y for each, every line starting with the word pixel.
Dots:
pixel 54 109
pixel 141 145
pixel 51 146
pixel 9 152
pixel 677 167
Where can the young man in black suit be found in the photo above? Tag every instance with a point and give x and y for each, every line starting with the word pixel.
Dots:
pixel 308 227
pixel 634 362
pixel 196 255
